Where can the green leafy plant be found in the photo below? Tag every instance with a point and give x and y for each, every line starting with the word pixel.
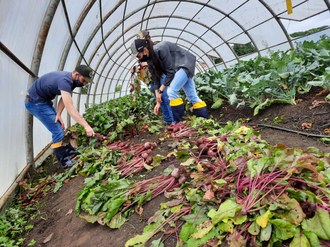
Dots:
pixel 230 187
pixel 264 81
pixel 118 118
pixel 14 223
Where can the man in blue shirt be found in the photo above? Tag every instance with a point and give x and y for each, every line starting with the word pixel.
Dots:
pixel 39 103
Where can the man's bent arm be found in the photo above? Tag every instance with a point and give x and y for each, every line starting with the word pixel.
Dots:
pixel 67 101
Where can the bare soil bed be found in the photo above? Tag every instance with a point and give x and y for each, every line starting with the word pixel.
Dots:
pixel 58 225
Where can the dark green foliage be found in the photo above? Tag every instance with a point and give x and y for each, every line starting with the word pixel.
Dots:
pixel 267 80
pixel 13 223
pixel 122 116
pixel 308 32
pixel 244 49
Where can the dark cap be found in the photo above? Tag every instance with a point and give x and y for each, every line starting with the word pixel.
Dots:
pixel 86 72
pixel 138 45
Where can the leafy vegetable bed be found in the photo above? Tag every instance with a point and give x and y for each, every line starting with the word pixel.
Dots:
pixel 264 81
pixel 224 184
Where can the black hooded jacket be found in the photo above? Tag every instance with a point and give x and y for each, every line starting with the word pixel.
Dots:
pixel 171 58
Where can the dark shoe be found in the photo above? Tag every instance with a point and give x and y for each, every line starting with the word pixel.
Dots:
pixel 169 123
pixel 67 162
pixel 64 157
pixel 71 151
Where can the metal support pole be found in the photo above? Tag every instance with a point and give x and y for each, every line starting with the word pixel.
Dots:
pixel 35 65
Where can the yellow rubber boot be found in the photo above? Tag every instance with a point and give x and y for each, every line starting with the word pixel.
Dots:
pixel 177 108
pixel 200 110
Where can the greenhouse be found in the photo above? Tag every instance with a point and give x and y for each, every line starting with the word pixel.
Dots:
pixel 165 123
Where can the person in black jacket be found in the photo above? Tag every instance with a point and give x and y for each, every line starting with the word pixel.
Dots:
pixel 178 65
pixel 144 75
pixel 165 102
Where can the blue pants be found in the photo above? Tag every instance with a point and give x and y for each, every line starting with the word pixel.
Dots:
pixel 166 109
pixel 165 105
pixel 181 80
pixel 46 113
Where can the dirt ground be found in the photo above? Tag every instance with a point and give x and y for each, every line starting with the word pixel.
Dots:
pixel 58 225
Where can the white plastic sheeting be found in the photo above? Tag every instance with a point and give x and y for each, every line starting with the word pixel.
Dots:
pixel 12 88
pixel 99 33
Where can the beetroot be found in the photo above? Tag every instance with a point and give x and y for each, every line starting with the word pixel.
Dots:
pixel 100 137
pixel 175 173
pixel 211 153
pixel 202 148
pixel 182 179
pixel 144 155
pixel 147 145
pixel 149 160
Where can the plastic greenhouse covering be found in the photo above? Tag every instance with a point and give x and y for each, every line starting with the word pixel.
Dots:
pixel 42 36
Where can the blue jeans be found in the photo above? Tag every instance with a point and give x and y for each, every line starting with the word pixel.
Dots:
pixel 46 113
pixel 165 105
pixel 181 80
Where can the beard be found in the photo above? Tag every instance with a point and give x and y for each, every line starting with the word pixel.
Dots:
pixel 77 83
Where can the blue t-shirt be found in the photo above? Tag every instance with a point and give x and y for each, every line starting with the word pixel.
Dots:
pixel 48 86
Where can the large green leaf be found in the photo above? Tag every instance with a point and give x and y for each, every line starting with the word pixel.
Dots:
pixel 289 210
pixel 226 210
pixel 266 233
pixel 319 224
pixel 187 229
pixel 148 232
pixel 113 207
pixel 217 104
pixel 312 238
pixel 117 221
pixel 282 230
pixel 300 240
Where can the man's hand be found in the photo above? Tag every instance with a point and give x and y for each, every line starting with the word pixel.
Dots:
pixel 59 119
pixel 67 101
pixel 89 131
